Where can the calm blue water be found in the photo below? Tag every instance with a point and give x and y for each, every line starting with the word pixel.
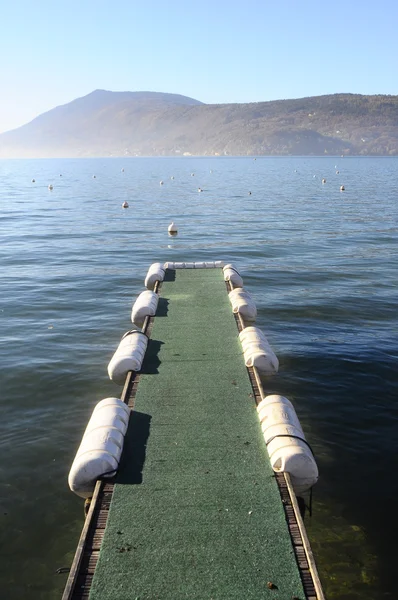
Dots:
pixel 321 265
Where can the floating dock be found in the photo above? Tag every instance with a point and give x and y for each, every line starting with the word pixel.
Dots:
pixel 195 510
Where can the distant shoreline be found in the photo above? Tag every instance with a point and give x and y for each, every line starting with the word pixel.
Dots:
pixel 131 124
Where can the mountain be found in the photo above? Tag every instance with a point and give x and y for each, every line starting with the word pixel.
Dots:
pixel 106 123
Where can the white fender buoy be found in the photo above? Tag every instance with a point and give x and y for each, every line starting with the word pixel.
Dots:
pixel 196 265
pixel 128 356
pixel 342 188
pixel 94 176
pixel 145 306
pixel 175 265
pixel 232 275
pixel 50 187
pixel 172 228
pixel 323 180
pixel 287 447
pixel 172 177
pixel 33 181
pixel 155 273
pixel 160 182
pixel 192 174
pixel 125 205
pixel 243 304
pixel 337 172
pixel 257 351
pixel 182 265
pixel 122 170
pixel 101 447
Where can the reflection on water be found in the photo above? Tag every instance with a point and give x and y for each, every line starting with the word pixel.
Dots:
pixel 322 268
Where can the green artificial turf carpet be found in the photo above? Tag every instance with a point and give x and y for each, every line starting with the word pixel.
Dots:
pixel 196 513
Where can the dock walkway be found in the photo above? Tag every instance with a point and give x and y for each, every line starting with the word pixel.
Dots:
pixel 196 509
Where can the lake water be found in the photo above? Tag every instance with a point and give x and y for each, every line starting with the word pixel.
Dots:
pixel 322 267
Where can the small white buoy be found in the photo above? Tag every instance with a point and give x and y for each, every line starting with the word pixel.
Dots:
pixel 172 228
pixel 94 176
pixel 250 193
pixel 323 180
pixel 160 182
pixel 60 174
pixel 125 204
pixel 172 177
pixel 337 172
pixel 122 170
pixel 50 187
pixel 342 188
pixel 33 180
pixel 192 174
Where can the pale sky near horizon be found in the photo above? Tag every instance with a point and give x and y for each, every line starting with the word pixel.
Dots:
pixel 217 51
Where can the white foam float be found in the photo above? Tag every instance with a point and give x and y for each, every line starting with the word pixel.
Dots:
pixel 128 356
pixel 287 447
pixel 145 306
pixel 101 447
pixel 155 273
pixel 232 275
pixel 257 351
pixel 243 303
pixel 194 265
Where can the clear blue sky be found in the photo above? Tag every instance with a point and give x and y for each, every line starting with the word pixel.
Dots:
pixel 53 51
